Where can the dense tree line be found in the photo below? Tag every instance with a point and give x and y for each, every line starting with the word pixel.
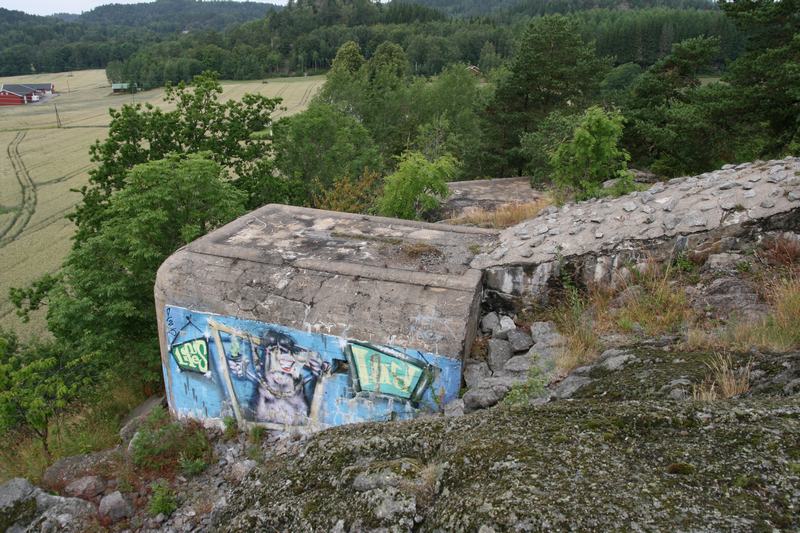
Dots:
pixel 30 43
pixel 141 43
pixel 515 8
pixel 303 38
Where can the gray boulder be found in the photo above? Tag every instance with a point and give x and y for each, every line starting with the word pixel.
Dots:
pixel 17 503
pixel 570 386
pixel 545 335
pixel 501 330
pixel 454 408
pixel 475 372
pixel 114 507
pixel 490 391
pixel 499 352
pixel 520 341
pixel 240 469
pixel 24 507
pixel 613 360
pixel 68 469
pixel 489 322
pixel 86 487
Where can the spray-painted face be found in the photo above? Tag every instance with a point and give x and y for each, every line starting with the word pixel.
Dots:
pixel 281 354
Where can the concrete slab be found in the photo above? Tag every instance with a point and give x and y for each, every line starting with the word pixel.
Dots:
pixel 298 318
pixel 487 194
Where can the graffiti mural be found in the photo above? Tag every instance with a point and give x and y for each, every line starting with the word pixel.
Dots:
pixel 282 378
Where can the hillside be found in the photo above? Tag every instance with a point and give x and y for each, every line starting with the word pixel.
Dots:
pixel 479 8
pixel 30 43
pixel 167 16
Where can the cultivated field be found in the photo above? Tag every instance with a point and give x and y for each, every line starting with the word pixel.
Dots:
pixel 40 164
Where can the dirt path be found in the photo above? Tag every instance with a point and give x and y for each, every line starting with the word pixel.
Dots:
pixel 27 207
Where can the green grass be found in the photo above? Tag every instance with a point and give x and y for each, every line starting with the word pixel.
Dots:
pixel 90 427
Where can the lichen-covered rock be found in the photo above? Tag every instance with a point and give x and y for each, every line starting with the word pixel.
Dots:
pixel 17 502
pixel 86 487
pixel 563 466
pixel 24 507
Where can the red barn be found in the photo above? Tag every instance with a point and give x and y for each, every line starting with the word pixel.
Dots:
pixel 19 94
pixel 9 97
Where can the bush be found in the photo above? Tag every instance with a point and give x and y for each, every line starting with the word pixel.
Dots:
pixel 191 467
pixel 523 393
pixel 160 444
pixel 162 500
pixel 417 187
pixel 539 145
pixel 593 155
pixel 231 428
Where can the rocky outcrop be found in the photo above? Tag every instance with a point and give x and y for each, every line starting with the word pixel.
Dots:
pixel 597 241
pixel 25 508
pixel 563 466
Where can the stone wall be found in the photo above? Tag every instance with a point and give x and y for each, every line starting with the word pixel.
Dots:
pixel 600 240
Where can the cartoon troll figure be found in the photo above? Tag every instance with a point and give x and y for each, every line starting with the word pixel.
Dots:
pixel 281 396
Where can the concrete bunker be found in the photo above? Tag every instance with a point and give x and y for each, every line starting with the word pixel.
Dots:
pixel 300 319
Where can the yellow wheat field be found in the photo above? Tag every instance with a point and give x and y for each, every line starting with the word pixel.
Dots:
pixel 40 163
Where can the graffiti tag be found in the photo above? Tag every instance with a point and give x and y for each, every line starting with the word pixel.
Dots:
pixel 384 373
pixel 192 355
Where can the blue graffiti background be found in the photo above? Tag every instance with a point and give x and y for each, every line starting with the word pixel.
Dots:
pixel 202 396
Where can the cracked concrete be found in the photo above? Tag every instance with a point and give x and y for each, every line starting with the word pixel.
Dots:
pixel 373 279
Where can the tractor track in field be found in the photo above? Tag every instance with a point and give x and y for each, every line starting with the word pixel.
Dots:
pixel 65 177
pixel 27 207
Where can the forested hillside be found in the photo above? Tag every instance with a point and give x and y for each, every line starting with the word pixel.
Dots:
pixel 30 43
pixel 477 8
pixel 305 36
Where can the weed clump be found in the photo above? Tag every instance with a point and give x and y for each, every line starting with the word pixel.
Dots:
pixel 160 444
pixel 162 501
pixel 724 381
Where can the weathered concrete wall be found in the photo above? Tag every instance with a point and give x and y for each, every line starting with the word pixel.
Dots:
pixel 597 241
pixel 258 319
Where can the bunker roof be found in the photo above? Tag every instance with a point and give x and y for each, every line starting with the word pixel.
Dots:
pixel 367 278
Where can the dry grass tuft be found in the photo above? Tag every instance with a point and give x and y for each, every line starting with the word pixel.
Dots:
pixel 724 380
pixel 781 252
pixel 779 331
pixel 574 320
pixel 504 216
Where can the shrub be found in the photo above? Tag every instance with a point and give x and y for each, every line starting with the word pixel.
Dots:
pixel 350 195
pixel 231 428
pixel 523 393
pixel 191 467
pixel 593 155
pixel 417 187
pixel 162 501
pixel 257 434
pixel 160 443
